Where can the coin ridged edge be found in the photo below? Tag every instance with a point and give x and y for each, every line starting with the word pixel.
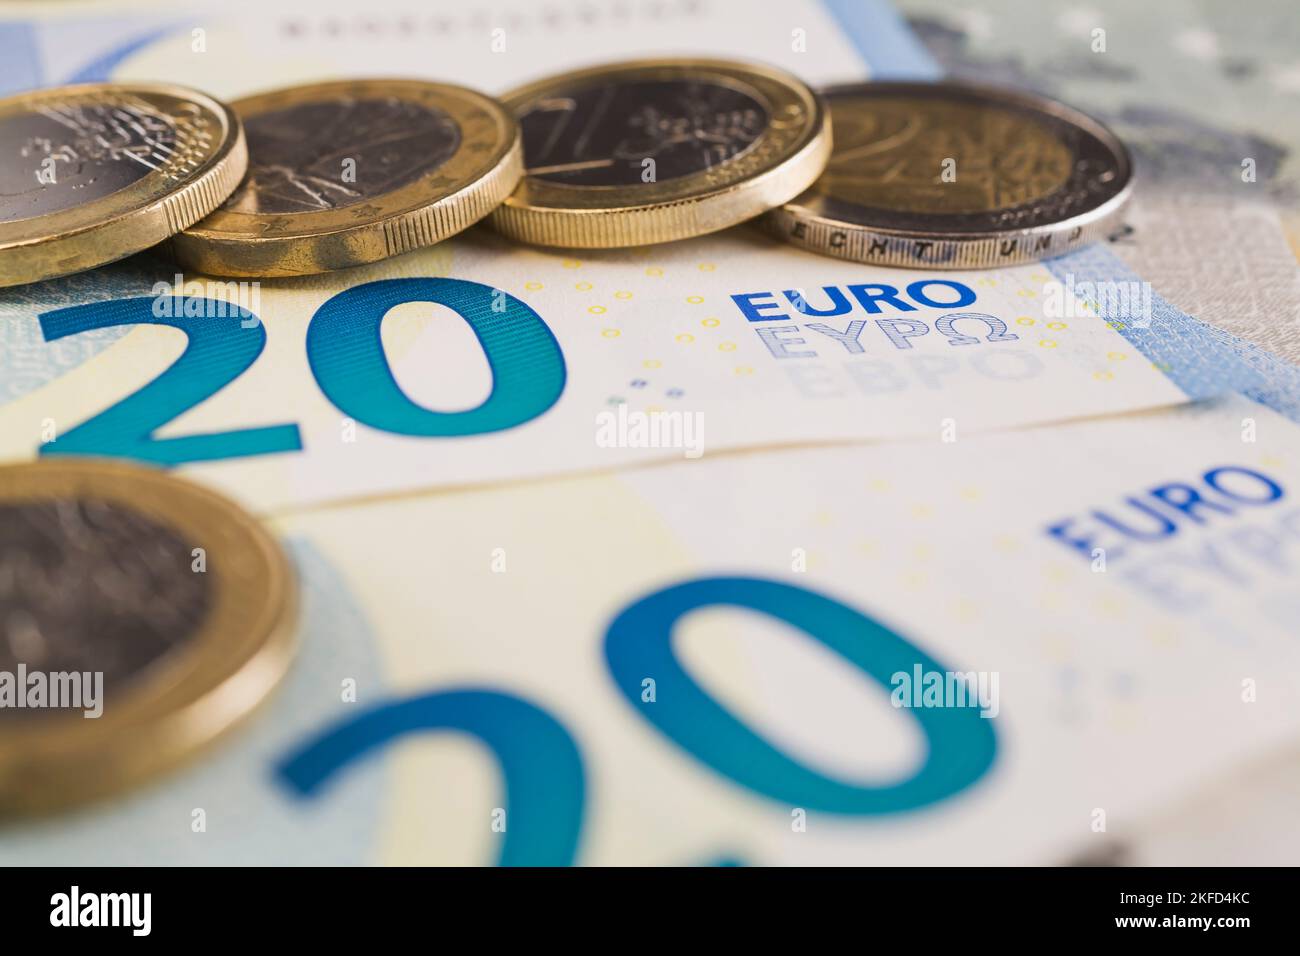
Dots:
pixel 456 213
pixel 198 198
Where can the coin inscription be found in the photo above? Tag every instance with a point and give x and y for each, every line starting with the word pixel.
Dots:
pixel 603 135
pixel 93 586
pixel 64 154
pixel 327 154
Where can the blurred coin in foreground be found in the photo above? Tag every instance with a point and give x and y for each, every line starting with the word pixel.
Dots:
pixel 954 176
pixel 346 173
pixel 140 617
pixel 90 174
pixel 652 151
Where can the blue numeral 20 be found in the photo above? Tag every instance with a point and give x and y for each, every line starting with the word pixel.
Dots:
pixel 216 354
pixel 542 768
pixel 346 355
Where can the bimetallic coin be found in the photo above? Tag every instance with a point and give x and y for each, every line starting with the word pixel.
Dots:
pixel 955 176
pixel 652 151
pixel 140 617
pixel 351 172
pixel 90 174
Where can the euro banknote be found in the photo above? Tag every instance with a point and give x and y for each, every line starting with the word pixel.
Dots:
pixel 1005 649
pixel 482 361
pixel 479 361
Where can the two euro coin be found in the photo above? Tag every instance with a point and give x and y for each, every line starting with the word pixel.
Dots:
pixel 957 176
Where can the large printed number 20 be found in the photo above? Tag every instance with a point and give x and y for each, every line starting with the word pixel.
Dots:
pixel 346 356
pixel 542 769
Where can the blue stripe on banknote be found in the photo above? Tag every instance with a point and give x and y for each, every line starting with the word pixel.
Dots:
pixel 1200 359
pixel 20 67
pixel 885 40
pixel 23 66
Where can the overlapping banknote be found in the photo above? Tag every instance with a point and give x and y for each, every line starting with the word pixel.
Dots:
pixel 701 586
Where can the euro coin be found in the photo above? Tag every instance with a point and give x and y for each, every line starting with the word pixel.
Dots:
pixel 141 616
pixel 658 150
pixel 90 174
pixel 957 176
pixel 350 172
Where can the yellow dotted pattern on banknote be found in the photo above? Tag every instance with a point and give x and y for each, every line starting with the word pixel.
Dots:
pixel 964 610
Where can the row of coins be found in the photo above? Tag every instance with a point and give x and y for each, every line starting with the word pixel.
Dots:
pixel 331 175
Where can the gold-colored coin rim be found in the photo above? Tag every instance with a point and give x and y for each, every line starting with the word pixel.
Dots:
pixel 772 171
pixel 135 217
pixel 416 215
pixel 190 696
pixel 820 224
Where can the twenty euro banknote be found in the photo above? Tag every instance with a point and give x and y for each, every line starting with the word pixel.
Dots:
pixel 752 659
pixel 481 360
